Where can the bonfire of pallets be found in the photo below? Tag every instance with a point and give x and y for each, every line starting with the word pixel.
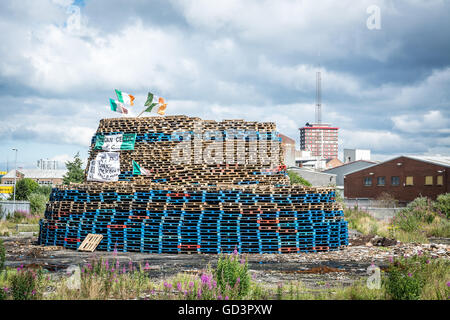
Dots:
pixel 195 207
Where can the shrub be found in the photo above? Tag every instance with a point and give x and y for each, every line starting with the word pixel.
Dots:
pixel 45 190
pixel 417 277
pixel 37 203
pixel 442 205
pixel 404 286
pixel 419 211
pixel 386 200
pixel 2 256
pixel 25 284
pixel 296 179
pixel 424 217
pixel 365 223
pixel 339 196
pixel 232 273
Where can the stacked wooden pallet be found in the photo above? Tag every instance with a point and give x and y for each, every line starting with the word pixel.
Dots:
pixel 237 156
pixel 201 207
pixel 204 219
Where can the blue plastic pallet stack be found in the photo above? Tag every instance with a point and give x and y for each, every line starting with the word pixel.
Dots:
pixel 174 221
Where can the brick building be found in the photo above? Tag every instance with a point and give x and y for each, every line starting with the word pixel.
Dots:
pixel 404 177
pixel 288 145
pixel 42 177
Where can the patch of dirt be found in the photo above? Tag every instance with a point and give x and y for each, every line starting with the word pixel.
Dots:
pixel 360 240
pixel 317 270
pixel 371 240
pixel 332 268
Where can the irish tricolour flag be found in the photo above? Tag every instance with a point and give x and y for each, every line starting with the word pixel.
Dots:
pixel 124 97
pixel 140 171
pixel 118 106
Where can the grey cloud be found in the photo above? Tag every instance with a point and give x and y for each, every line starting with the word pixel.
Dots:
pixel 255 62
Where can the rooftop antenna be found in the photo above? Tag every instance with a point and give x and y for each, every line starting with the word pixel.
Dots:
pixel 319 95
pixel 318 98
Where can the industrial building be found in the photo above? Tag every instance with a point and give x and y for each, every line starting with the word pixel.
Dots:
pixel 351 155
pixel 404 177
pixel 42 177
pixel 333 163
pixel 341 171
pixel 45 164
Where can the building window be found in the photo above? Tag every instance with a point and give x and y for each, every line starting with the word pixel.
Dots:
pixel 428 180
pixel 440 180
pixel 367 181
pixel 410 181
pixel 395 181
pixel 380 181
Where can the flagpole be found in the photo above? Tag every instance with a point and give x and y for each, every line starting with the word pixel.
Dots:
pixel 140 113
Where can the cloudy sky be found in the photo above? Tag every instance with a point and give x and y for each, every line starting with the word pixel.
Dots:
pixel 387 89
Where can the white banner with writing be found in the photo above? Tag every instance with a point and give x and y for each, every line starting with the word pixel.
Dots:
pixel 105 167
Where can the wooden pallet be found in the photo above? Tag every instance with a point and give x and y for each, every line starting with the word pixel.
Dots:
pixel 91 242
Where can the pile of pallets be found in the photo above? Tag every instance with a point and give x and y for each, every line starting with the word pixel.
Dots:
pixel 249 207
pixel 202 220
pixel 156 138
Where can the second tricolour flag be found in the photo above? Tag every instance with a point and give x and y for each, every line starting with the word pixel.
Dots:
pixel 154 101
pixel 117 106
pixel 124 97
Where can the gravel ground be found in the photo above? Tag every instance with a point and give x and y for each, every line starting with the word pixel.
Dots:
pixel 315 270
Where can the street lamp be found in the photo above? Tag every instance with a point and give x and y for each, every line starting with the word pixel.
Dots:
pixel 15 177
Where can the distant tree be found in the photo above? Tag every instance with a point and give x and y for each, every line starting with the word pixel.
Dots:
pixel 25 187
pixel 45 190
pixel 296 179
pixel 75 172
pixel 37 203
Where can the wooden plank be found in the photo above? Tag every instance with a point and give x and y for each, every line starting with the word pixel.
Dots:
pixel 91 242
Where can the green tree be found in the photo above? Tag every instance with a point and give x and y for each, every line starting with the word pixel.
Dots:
pixel 75 172
pixel 37 203
pixel 45 190
pixel 296 179
pixel 25 187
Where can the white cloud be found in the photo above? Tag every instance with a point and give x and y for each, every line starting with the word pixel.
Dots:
pixel 432 121
pixel 253 60
pixel 376 140
pixel 303 77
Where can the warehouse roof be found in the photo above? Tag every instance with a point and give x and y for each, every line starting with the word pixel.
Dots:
pixel 440 161
pixel 37 174
pixel 436 160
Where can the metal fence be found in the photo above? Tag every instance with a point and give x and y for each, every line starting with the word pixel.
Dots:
pixel 7 208
pixel 383 213
pixel 376 208
pixel 370 203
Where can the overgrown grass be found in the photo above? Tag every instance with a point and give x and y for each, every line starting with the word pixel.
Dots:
pixel 418 277
pixel 421 219
pixel 422 216
pixel 8 226
pixel 365 223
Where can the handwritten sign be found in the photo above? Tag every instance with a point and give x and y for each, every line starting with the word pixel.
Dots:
pixel 105 167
